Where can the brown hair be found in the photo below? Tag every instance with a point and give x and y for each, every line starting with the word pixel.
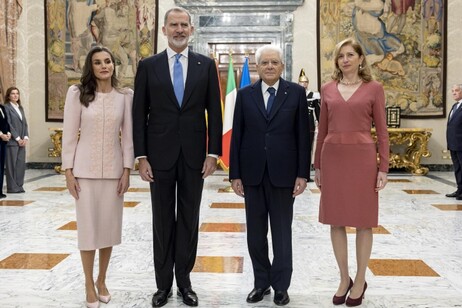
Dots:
pixel 364 71
pixel 87 84
pixel 8 92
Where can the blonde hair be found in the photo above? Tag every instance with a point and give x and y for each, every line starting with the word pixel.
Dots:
pixel 364 71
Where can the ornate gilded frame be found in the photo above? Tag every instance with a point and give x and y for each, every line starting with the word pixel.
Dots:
pixel 405 43
pixel 72 27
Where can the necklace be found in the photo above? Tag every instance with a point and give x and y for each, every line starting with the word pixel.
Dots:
pixel 350 83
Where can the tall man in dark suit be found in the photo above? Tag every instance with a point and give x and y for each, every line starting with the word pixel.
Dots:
pixel 173 91
pixel 5 136
pixel 454 139
pixel 269 167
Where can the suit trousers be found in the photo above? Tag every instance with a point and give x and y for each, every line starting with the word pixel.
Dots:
pixel 2 164
pixel 456 157
pixel 176 197
pixel 263 201
pixel 15 168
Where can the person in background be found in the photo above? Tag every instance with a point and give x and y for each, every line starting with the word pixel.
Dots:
pixel 97 156
pixel 314 105
pixel 177 149
pixel 16 148
pixel 454 139
pixel 5 136
pixel 346 168
pixel 269 167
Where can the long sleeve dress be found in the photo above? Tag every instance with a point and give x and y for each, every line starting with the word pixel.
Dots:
pixel 346 154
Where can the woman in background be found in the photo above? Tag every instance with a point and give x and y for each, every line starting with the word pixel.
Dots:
pixel 98 163
pixel 16 147
pixel 346 168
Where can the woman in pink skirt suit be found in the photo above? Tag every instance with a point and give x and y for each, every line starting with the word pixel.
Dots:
pixel 98 156
pixel 346 168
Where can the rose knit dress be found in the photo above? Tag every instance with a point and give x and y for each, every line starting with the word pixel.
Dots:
pixel 346 154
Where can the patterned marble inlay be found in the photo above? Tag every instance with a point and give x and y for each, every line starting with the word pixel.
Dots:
pixel 51 189
pixel 206 264
pixel 72 225
pixel 420 191
pixel 396 267
pixel 227 205
pixel 378 230
pixel 226 190
pixel 43 261
pixel 131 203
pixel 134 189
pixel 448 207
pixel 399 181
pixel 14 202
pixel 222 227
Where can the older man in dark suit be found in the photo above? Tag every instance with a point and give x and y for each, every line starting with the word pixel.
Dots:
pixel 269 167
pixel 173 91
pixel 454 139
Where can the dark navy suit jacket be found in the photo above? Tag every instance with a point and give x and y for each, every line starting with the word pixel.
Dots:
pixel 161 129
pixel 279 141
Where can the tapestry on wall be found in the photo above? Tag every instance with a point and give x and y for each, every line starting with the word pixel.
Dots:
pixel 127 27
pixel 404 42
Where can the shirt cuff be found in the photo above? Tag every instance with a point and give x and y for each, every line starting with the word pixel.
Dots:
pixel 213 155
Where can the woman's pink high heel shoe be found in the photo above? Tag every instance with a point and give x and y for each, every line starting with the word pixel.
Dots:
pixel 352 302
pixel 339 300
pixel 93 305
pixel 104 298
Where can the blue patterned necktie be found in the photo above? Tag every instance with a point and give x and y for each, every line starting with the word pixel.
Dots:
pixel 178 83
pixel 271 98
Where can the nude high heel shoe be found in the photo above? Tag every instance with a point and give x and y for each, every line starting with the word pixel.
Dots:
pixel 92 305
pixel 104 298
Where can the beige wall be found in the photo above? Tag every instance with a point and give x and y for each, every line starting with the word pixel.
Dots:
pixel 31 70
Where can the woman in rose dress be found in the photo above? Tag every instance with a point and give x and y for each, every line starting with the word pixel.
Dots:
pixel 346 168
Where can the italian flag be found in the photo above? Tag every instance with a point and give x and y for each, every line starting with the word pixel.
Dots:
pixel 230 101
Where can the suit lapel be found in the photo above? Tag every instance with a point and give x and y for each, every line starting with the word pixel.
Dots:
pixel 13 111
pixel 281 96
pixel 162 70
pixel 453 112
pixel 258 98
pixel 194 69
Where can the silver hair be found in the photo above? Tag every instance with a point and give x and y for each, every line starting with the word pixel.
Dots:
pixel 264 48
pixel 459 85
pixel 178 10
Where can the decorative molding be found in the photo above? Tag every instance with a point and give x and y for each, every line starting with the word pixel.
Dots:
pixel 195 6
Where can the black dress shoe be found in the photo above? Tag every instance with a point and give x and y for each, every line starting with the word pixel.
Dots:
pixel 2 196
pixel 459 197
pixel 452 195
pixel 160 298
pixel 281 298
pixel 189 296
pixel 257 295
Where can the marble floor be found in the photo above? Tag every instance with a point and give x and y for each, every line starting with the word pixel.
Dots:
pixel 416 259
